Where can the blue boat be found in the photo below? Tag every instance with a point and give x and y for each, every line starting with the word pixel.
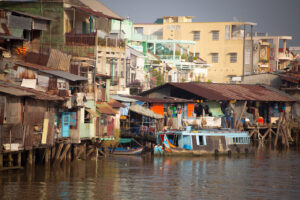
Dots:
pixel 127 146
pixel 201 142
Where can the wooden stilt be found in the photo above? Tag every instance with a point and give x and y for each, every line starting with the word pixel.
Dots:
pixel 10 160
pixel 63 155
pixel 1 160
pixel 57 155
pixel 75 152
pixel 53 152
pixel 19 159
pixel 69 155
pixel 96 153
pixel 47 156
pixel 29 157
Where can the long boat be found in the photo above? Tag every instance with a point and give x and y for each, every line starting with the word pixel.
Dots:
pixel 127 146
pixel 202 142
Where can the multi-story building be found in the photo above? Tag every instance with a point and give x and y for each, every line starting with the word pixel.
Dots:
pixel 219 43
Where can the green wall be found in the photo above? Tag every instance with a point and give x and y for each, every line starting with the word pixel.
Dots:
pixel 54 11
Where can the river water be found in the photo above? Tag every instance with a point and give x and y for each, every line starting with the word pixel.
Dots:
pixel 260 176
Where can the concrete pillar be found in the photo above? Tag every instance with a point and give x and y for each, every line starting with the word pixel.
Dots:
pixel 174 49
pixel 194 50
pixel 154 48
pixel 188 50
pixel 284 46
pixel 252 67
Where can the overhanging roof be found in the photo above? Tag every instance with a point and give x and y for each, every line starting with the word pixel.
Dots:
pixel 221 91
pixel 65 75
pixel 144 111
pixel 105 108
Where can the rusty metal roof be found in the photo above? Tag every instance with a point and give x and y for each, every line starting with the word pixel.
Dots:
pixel 17 90
pixel 32 16
pixel 33 66
pixel 115 104
pixel 222 91
pixel 159 100
pixel 105 108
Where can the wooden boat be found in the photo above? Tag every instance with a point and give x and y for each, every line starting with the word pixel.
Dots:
pixel 127 146
pixel 202 142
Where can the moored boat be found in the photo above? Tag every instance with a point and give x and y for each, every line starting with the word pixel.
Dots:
pixel 202 142
pixel 127 146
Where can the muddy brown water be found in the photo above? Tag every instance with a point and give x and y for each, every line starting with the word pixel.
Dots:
pixel 260 176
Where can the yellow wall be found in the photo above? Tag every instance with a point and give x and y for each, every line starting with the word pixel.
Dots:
pixel 205 46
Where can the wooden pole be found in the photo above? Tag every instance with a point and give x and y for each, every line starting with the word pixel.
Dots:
pixel 29 157
pixel 63 155
pixel 241 115
pixel 19 158
pixel 10 160
pixel 1 160
pixel 47 155
pixel 60 146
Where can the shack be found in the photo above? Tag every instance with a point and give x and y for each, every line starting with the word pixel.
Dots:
pixel 27 120
pixel 240 106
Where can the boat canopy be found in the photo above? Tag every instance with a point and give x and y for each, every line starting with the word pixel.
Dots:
pixel 125 140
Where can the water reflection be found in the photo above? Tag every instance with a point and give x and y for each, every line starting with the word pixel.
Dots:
pixel 264 175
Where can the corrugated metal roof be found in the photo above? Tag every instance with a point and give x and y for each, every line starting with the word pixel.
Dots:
pixel 14 91
pixel 159 100
pixel 105 108
pixel 99 7
pixel 92 112
pixel 32 16
pixel 219 91
pixel 115 104
pixel 32 65
pixel 10 37
pixel 17 90
pixel 65 75
pixel 144 111
pixel 123 99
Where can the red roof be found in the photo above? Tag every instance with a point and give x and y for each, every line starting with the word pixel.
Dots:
pixel 221 91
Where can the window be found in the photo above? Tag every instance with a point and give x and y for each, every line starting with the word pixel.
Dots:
pixel 214 57
pixel 233 57
pixel 196 35
pixel 139 30
pixel 200 140
pixel 215 35
pixel 178 27
pixel 197 54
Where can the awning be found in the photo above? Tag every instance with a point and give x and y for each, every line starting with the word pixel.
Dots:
pixel 105 108
pixel 144 111
pixel 92 112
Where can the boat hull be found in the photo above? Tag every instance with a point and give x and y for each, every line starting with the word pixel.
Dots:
pixel 136 151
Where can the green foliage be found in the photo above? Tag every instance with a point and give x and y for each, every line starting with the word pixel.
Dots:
pixel 159 79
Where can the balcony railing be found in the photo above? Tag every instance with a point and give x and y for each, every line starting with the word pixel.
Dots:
pixel 81 39
pixel 90 40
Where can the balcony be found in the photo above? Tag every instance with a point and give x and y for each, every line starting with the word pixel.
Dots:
pixel 285 56
pixel 90 40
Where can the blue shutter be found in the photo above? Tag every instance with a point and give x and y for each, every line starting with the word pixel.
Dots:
pixel 65 122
